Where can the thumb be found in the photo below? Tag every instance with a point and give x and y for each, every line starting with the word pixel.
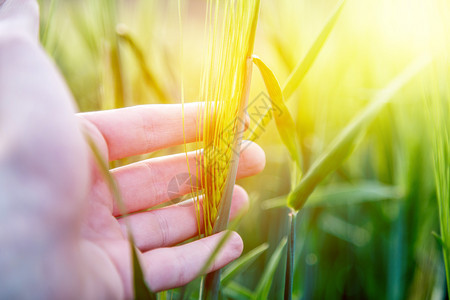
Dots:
pixel 19 17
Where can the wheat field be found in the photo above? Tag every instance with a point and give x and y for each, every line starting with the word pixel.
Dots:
pixel 350 101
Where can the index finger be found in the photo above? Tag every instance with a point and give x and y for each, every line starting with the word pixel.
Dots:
pixel 146 128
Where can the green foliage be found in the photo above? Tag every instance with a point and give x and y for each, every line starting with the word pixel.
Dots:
pixel 148 75
pixel 241 264
pixel 285 123
pixel 140 287
pixel 438 105
pixel 346 141
pixel 296 77
pixel 263 287
pixel 298 74
pixel 365 231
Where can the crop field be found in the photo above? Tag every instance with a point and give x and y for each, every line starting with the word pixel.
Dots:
pixel 350 101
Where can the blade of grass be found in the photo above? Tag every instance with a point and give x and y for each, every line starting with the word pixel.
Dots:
pixel 285 124
pixel 140 287
pixel 115 73
pixel 438 106
pixel 347 194
pixel 298 74
pixel 187 290
pixel 345 142
pixel 263 288
pixel 204 292
pixel 241 264
pixel 85 30
pixel 438 239
pixel 305 64
pixel 343 194
pixel 237 291
pixel 49 19
pixel 343 230
pixel 124 34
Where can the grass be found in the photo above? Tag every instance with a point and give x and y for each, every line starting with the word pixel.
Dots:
pixel 439 115
pixel 365 229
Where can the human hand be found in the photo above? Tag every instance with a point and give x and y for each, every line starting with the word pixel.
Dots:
pixel 142 129
pixel 59 230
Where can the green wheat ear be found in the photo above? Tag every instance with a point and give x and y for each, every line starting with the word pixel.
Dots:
pixel 224 91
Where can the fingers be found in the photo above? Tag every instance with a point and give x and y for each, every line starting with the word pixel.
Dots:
pixel 167 268
pixel 146 128
pixel 153 181
pixel 174 224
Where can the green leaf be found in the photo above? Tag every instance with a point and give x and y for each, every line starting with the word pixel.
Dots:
pixel 140 287
pixel 276 202
pixel 350 194
pixel 211 282
pixel 343 230
pixel 242 263
pixel 345 142
pixel 49 20
pixel 438 239
pixel 296 77
pixel 148 75
pixel 343 194
pixel 302 68
pixel 284 121
pixel 237 291
pixel 263 288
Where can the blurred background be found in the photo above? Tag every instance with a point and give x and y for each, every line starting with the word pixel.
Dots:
pixel 366 232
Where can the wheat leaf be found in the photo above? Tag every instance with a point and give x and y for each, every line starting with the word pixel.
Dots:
pixel 242 263
pixel 140 287
pixel 283 119
pixel 342 194
pixel 345 142
pixel 49 20
pixel 236 291
pixel 302 68
pixel 350 194
pixel 263 288
pixel 438 239
pixel 305 64
pixel 148 75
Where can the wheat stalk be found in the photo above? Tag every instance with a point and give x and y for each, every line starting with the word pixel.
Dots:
pixel 224 91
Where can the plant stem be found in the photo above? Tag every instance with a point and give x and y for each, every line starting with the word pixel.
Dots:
pixel 289 279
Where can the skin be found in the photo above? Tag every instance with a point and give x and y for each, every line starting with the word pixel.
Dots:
pixel 59 232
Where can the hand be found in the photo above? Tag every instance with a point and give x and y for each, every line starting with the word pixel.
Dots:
pixel 59 232
pixel 126 132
